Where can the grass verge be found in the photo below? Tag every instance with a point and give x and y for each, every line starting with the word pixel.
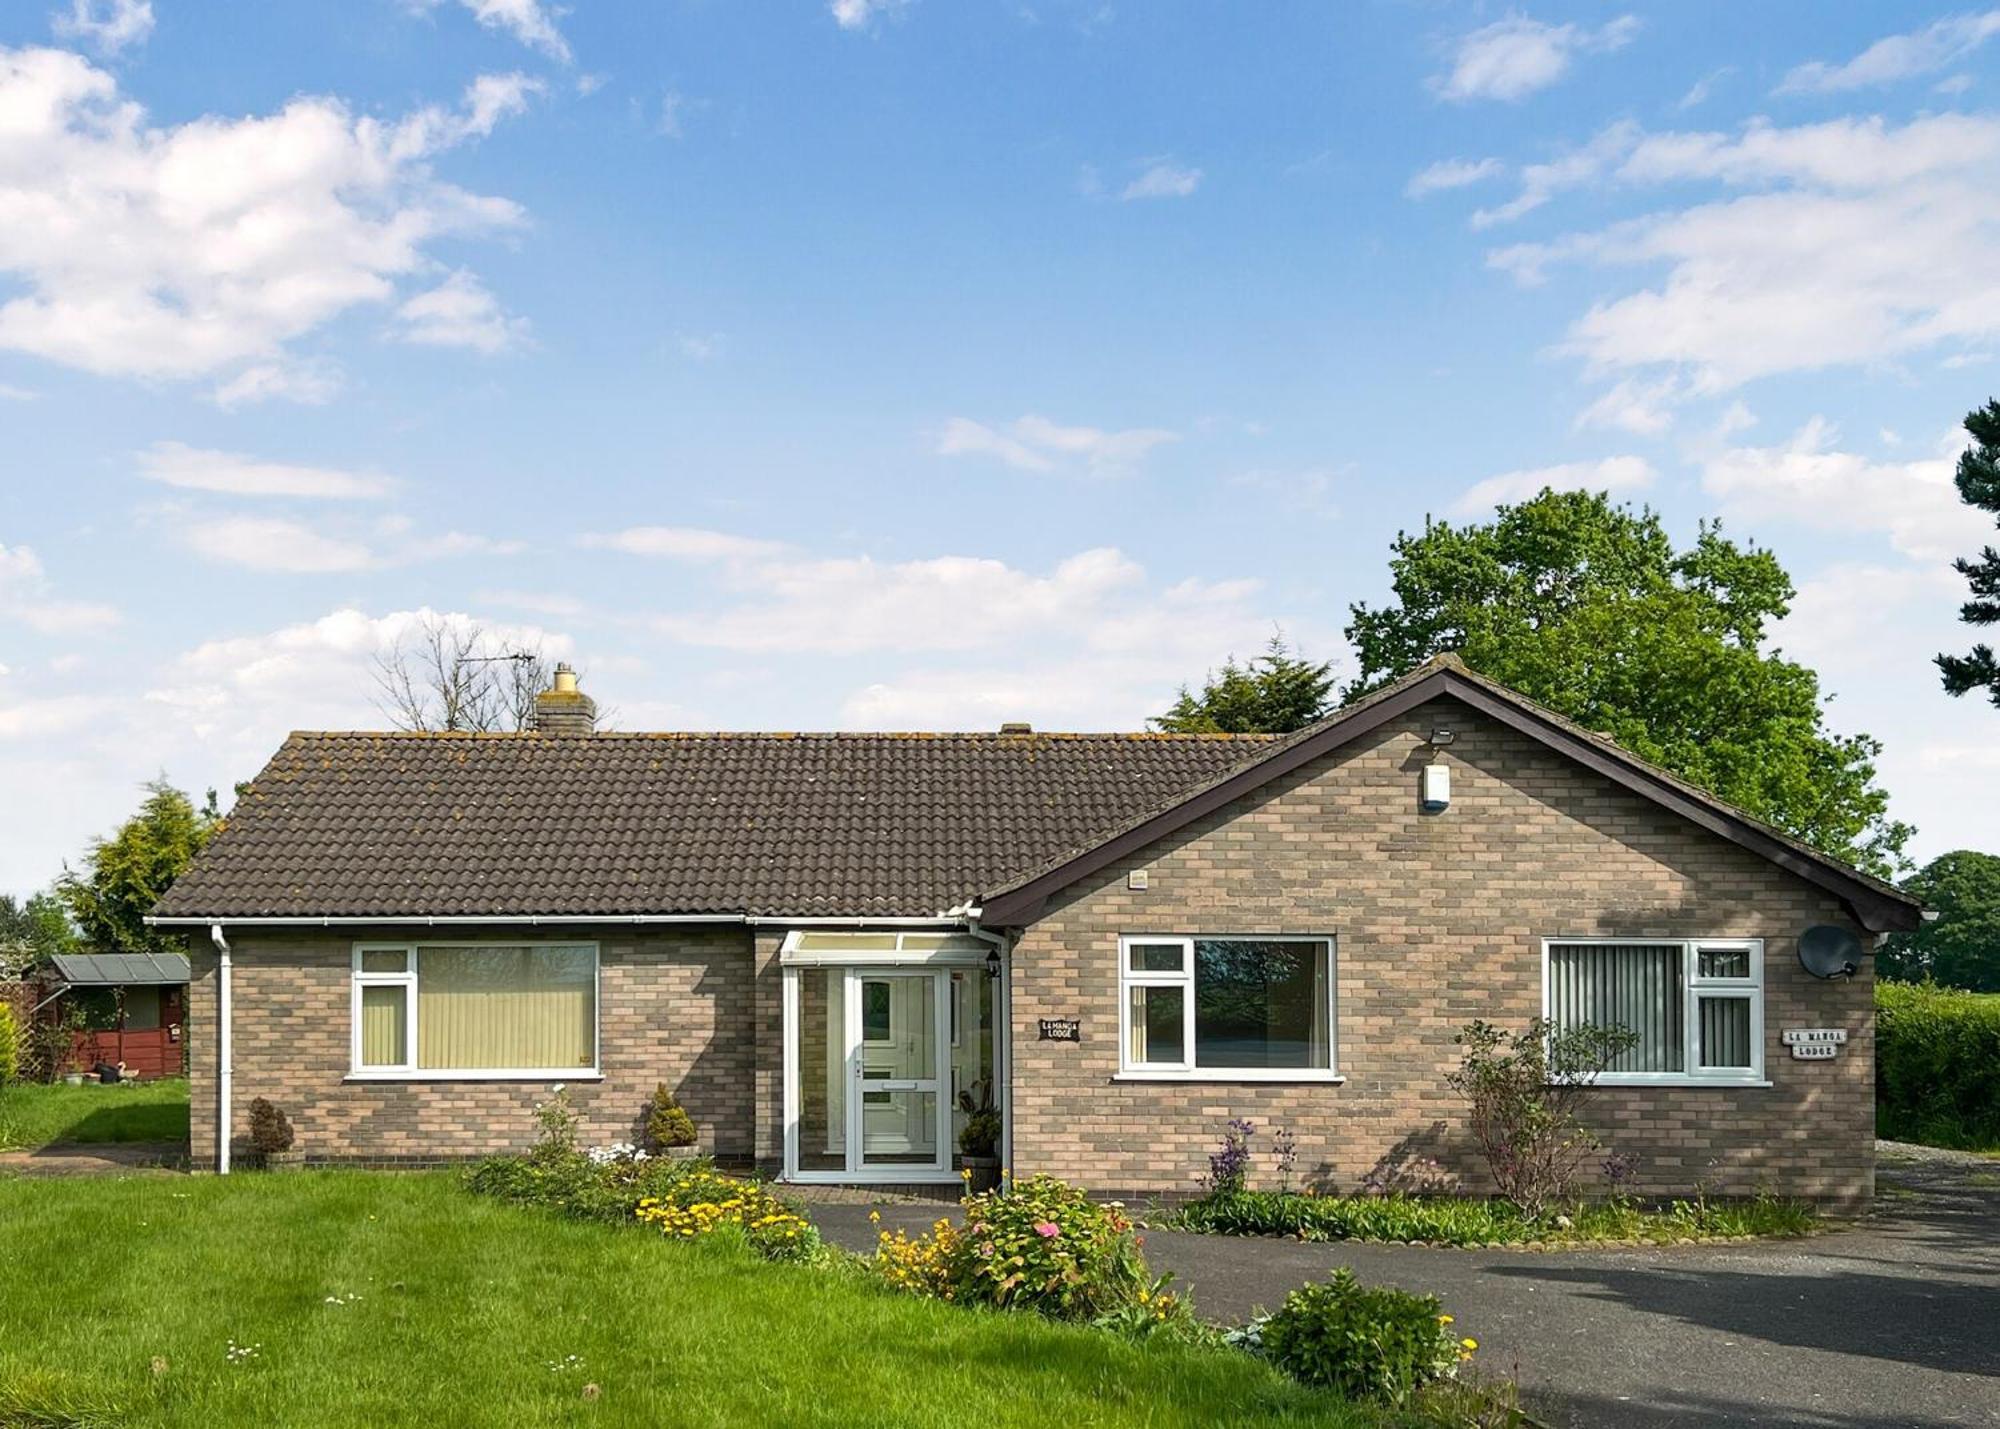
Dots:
pixel 370 1299
pixel 33 1114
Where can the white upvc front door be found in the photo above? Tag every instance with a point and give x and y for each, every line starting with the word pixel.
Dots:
pixel 900 1117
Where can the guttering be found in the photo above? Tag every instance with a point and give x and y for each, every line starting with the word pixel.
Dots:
pixel 224 1062
pixel 535 920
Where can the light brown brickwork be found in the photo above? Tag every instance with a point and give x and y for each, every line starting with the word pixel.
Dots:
pixel 1439 920
pixel 676 1005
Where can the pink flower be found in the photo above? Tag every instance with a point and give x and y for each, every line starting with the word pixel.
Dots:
pixel 1047 1230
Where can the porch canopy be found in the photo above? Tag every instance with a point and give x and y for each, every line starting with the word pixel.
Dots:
pixel 121 969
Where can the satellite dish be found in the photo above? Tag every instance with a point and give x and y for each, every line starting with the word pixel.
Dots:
pixel 1828 950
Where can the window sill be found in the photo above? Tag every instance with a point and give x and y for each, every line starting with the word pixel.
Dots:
pixel 1278 1075
pixel 430 1076
pixel 1723 1084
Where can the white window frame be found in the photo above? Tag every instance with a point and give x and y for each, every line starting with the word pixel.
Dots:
pixel 408 1071
pixel 1189 1070
pixel 1694 988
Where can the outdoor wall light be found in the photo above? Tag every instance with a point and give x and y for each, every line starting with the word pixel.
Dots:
pixel 1441 738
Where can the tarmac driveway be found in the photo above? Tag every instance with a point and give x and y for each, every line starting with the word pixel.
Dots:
pixel 1893 1322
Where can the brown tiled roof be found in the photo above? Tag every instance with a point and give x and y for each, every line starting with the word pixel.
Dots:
pixel 402 825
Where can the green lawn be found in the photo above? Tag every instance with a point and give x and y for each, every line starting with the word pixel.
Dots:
pixel 32 1114
pixel 123 1298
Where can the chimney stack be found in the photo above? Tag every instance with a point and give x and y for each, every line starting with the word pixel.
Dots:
pixel 563 708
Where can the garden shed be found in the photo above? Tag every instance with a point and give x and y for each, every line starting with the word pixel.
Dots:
pixel 132 1004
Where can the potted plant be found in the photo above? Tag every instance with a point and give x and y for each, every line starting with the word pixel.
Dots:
pixel 271 1138
pixel 669 1128
pixel 979 1138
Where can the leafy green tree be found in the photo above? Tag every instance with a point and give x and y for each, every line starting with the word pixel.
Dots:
pixel 1275 693
pixel 1961 946
pixel 1586 607
pixel 124 875
pixel 33 928
pixel 1979 485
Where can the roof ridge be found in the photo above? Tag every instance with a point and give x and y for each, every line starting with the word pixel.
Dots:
pixel 983 735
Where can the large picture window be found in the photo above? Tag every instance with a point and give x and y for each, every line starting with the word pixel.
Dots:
pixel 443 1009
pixel 1250 1008
pixel 1697 1006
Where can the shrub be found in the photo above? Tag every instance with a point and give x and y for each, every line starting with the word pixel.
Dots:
pixel 703 1201
pixel 269 1130
pixel 1366 1342
pixel 1040 1245
pixel 10 1045
pixel 1527 1091
pixel 1937 1065
pixel 667 1121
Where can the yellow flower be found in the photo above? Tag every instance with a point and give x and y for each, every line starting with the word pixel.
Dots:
pixel 1470 1344
pixel 1444 1319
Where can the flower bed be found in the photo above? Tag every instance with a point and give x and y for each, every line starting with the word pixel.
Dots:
pixel 1447 1220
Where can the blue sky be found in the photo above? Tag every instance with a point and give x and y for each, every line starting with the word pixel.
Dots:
pixel 929 364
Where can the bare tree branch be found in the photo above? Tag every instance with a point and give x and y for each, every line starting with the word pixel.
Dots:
pixel 445 675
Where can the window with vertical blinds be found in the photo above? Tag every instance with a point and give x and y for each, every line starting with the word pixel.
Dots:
pixel 1696 1006
pixel 463 1008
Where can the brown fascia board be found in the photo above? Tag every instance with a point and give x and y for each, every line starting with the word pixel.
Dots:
pixel 1876 909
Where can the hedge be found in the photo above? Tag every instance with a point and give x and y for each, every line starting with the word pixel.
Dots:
pixel 10 1046
pixel 1937 1065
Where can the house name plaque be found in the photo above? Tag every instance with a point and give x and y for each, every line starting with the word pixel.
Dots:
pixel 1062 1029
pixel 1814 1044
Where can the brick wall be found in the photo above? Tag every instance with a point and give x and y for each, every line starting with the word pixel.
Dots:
pixel 677 1005
pixel 1439 920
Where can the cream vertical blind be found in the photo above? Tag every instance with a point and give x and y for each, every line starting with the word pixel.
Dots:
pixel 384 1025
pixel 1725 1032
pixel 1636 985
pixel 506 1007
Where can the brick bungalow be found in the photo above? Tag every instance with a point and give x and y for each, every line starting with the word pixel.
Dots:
pixel 819 940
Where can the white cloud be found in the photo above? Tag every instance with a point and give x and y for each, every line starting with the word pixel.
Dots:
pixel 233 474
pixel 1098 599
pixel 687 543
pixel 1033 443
pixel 697 346
pixel 1452 174
pixel 1897 57
pixel 26 596
pixel 459 312
pixel 1542 182
pixel 205 247
pixel 1162 178
pixel 1861 243
pixel 11 393
pixel 107 25
pixel 292 547
pixel 1513 58
pixel 860 14
pixel 270 543
pixel 529 21
pixel 1632 406
pixel 313 384
pixel 1614 474
pixel 1807 482
pixel 1699 92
